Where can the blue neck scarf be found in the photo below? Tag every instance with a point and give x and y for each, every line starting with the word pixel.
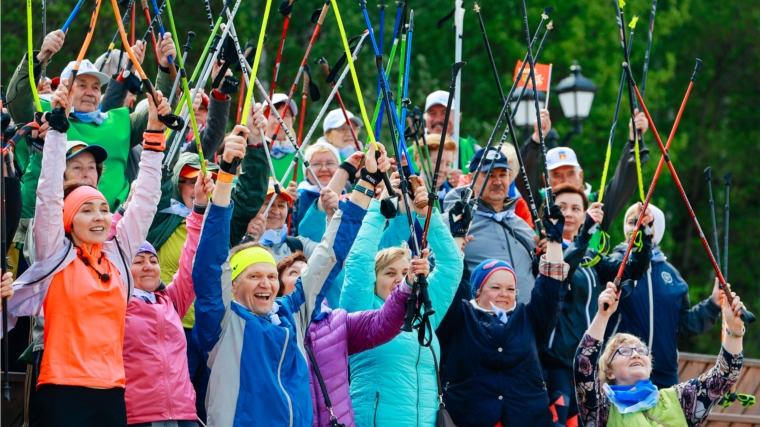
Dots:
pixel 630 399
pixel 96 116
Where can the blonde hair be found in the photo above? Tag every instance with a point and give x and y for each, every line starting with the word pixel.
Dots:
pixel 605 360
pixel 388 256
pixel 433 143
pixel 509 151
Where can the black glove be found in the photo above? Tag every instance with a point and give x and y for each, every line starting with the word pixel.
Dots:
pixel 229 85
pixel 554 223
pixel 389 206
pixel 589 228
pixel 460 218
pixel 58 120
pixel 350 170
pixel 373 178
pixel 134 84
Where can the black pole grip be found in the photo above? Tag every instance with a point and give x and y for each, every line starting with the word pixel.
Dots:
pixel 697 67
pixel 190 37
pixel 747 317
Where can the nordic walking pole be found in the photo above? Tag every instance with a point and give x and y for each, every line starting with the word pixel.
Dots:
pixel 86 44
pixel 494 70
pixel 433 195
pixel 532 74
pixel 649 48
pixel 377 115
pixel 304 98
pixel 708 178
pixel 185 49
pixel 614 121
pixel 326 66
pixel 30 50
pixel 146 12
pixel 162 32
pixel 304 61
pixel 631 98
pixel 115 37
pixel 254 71
pixel 725 227
pixel 171 121
pixel 318 119
pixel 746 316
pixel 65 29
pixel 657 171
pixel 286 8
pixel 44 31
pixel 4 266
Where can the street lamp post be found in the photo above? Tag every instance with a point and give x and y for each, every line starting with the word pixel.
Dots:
pixel 576 94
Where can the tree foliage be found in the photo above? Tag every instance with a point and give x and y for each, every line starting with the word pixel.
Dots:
pixel 717 128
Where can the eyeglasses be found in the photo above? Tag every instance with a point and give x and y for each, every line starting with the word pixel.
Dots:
pixel 328 165
pixel 641 350
pixel 190 182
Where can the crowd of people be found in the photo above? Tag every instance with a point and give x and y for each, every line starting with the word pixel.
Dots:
pixel 185 292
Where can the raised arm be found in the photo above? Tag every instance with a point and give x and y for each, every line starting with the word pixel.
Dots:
pixel 699 395
pixel 443 281
pixel 251 189
pixel 181 289
pixel 133 228
pixel 359 285
pixel 212 276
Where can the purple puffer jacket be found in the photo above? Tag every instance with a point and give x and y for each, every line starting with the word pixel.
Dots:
pixel 340 334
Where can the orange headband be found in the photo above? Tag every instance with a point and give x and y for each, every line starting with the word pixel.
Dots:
pixel 75 200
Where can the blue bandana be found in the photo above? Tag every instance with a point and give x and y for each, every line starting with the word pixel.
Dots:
pixel 274 237
pixel 630 399
pixel 177 208
pixel 96 116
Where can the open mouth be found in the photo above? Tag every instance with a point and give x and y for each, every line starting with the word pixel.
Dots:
pixel 262 297
pixel 97 229
pixel 639 364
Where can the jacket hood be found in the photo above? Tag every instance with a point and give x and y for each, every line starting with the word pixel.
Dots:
pixel 186 159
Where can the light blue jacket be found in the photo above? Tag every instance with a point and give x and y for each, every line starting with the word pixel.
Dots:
pixel 394 384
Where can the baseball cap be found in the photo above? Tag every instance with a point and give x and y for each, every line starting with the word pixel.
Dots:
pixel 499 163
pixel 561 156
pixel 85 67
pixel 284 194
pixel 192 171
pixel 439 97
pixel 74 148
pixel 280 98
pixel 336 119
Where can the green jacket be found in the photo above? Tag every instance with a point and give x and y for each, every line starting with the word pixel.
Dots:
pixel 112 184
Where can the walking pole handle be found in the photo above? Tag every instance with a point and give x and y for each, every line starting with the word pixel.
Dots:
pixel 696 69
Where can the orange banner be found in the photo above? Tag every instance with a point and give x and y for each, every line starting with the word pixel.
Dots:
pixel 543 76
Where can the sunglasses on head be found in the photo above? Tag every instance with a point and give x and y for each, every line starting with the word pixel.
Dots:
pixel 641 350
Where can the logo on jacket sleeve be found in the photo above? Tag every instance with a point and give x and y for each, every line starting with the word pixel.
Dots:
pixel 667 278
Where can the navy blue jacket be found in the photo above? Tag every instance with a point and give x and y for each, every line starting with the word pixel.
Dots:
pixel 492 372
pixel 660 314
pixel 583 289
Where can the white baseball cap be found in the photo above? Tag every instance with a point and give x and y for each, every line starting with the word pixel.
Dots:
pixel 439 97
pixel 74 148
pixel 336 119
pixel 280 98
pixel 561 156
pixel 85 67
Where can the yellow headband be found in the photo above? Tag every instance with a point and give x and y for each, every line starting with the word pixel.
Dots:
pixel 241 260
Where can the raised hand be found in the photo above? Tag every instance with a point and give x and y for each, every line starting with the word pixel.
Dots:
pixel 418 266
pixel 203 187
pixel 51 45
pixel 166 49
pixel 608 298
pixel 162 109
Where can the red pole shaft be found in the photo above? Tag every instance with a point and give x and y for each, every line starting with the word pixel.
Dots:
pixel 652 186
pixel 152 36
pixel 132 27
pixel 276 73
pixel 348 121
pixel 241 97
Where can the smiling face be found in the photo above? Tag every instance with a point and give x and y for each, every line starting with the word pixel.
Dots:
pixel 278 213
pixel 434 120
pixel 256 287
pixel 82 168
pixel 340 137
pixel 85 93
pixel 447 159
pixel 496 189
pixel 571 205
pixel 628 370
pixel 187 190
pixel 389 276
pixel 500 289
pixel 324 165
pixel 91 223
pixel 289 277
pixel 145 271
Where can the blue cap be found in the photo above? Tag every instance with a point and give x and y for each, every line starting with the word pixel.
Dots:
pixel 500 161
pixel 484 270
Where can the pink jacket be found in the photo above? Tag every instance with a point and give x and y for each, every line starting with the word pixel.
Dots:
pixel 155 349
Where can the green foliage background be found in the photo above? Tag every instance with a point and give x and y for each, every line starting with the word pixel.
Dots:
pixel 718 128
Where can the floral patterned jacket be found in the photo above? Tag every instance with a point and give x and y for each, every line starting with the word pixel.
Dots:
pixel 697 396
